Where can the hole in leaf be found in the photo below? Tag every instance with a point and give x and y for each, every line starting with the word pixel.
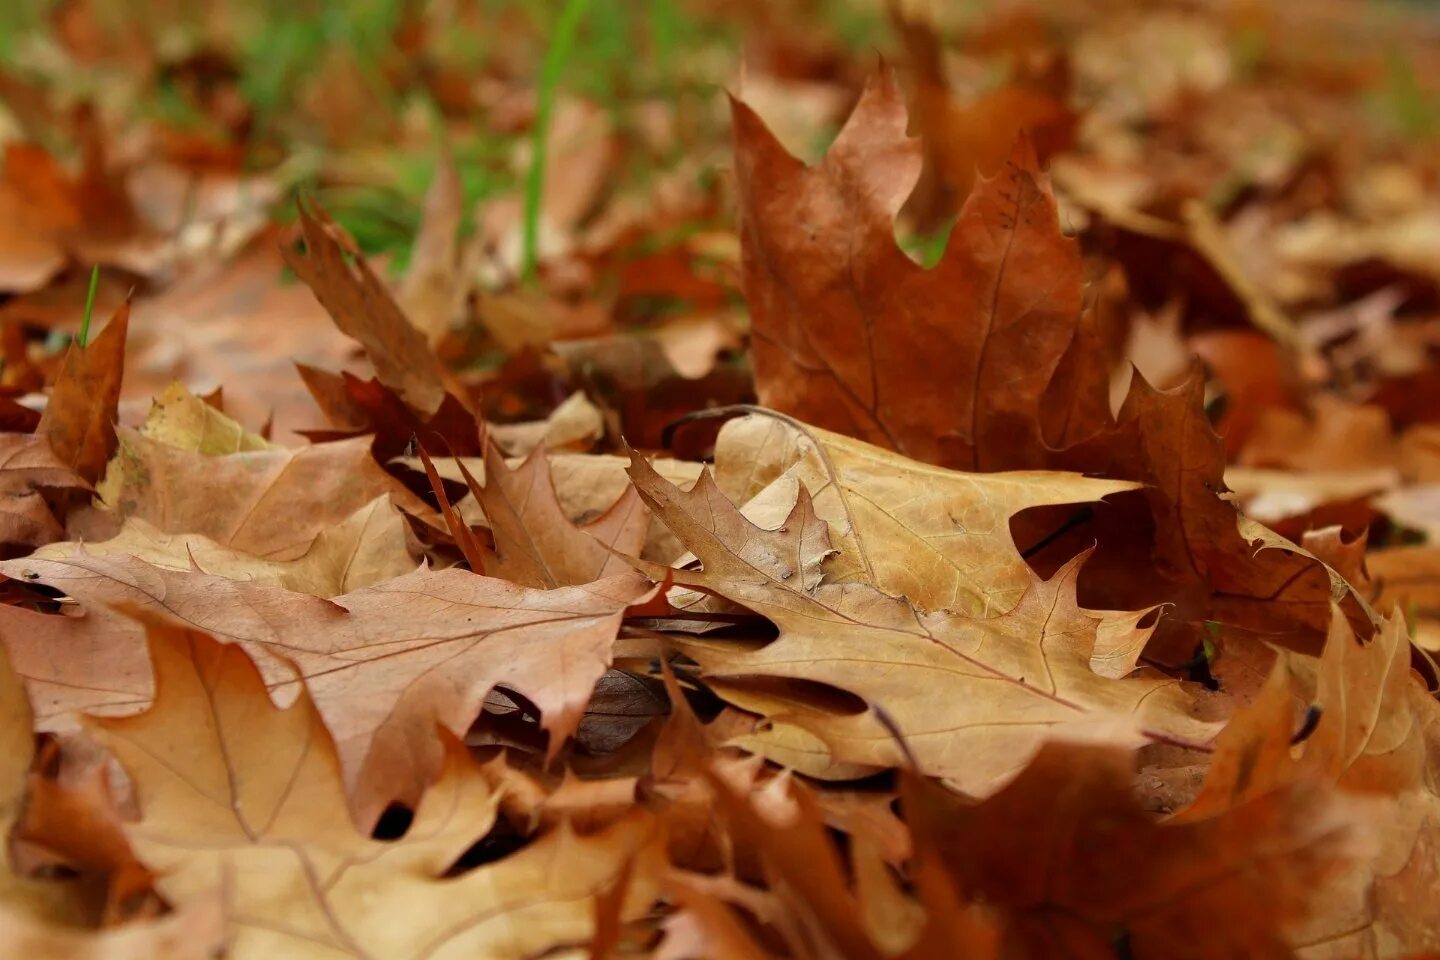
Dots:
pixel 394 823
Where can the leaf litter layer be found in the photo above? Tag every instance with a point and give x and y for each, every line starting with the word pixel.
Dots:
pixel 587 555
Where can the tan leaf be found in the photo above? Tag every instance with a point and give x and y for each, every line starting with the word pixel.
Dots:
pixel 995 688
pixel 182 420
pixel 269 503
pixel 939 538
pixel 370 545
pixel 241 796
pixel 385 664
pixel 536 545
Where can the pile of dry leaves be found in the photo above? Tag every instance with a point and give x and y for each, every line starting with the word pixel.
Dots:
pixel 690 598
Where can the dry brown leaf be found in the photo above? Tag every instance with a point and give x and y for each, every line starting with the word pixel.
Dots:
pixel 363 308
pixel 27 467
pixel 385 664
pixel 79 419
pixel 1374 732
pixel 938 538
pixel 245 798
pixel 948 365
pixel 995 688
pixel 269 503
pixel 371 545
pixel 536 545
pixel 1074 865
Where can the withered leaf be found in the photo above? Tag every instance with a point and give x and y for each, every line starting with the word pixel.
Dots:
pixel 1072 862
pixel 996 688
pixel 363 308
pixel 269 503
pixel 243 797
pixel 948 365
pixel 939 538
pixel 385 664
pixel 79 419
pixel 27 467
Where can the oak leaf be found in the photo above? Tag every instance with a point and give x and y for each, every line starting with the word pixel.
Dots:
pixel 244 797
pixel 384 665
pixel 1073 864
pixel 536 545
pixel 973 698
pixel 1372 730
pixel 947 365
pixel 939 538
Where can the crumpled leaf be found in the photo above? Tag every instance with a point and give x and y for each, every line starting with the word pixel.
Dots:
pixel 179 419
pixel 431 292
pixel 27 467
pixel 385 664
pixel 938 538
pixel 948 365
pixel 79 419
pixel 995 688
pixel 241 796
pixel 269 503
pixel 371 545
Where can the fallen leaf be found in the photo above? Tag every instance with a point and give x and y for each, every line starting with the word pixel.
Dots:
pixel 27 468
pixel 1074 865
pixel 245 798
pixel 939 538
pixel 1033 662
pixel 536 545
pixel 362 308
pixel 385 664
pixel 79 419
pixel 431 291
pixel 269 503
pixel 847 330
pixel 370 546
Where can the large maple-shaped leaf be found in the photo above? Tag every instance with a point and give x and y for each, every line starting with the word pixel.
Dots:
pixel 385 665
pixel 1074 865
pixel 973 698
pixel 947 365
pixel 937 537
pixel 240 796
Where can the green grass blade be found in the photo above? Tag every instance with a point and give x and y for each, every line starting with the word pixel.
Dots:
pixel 84 337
